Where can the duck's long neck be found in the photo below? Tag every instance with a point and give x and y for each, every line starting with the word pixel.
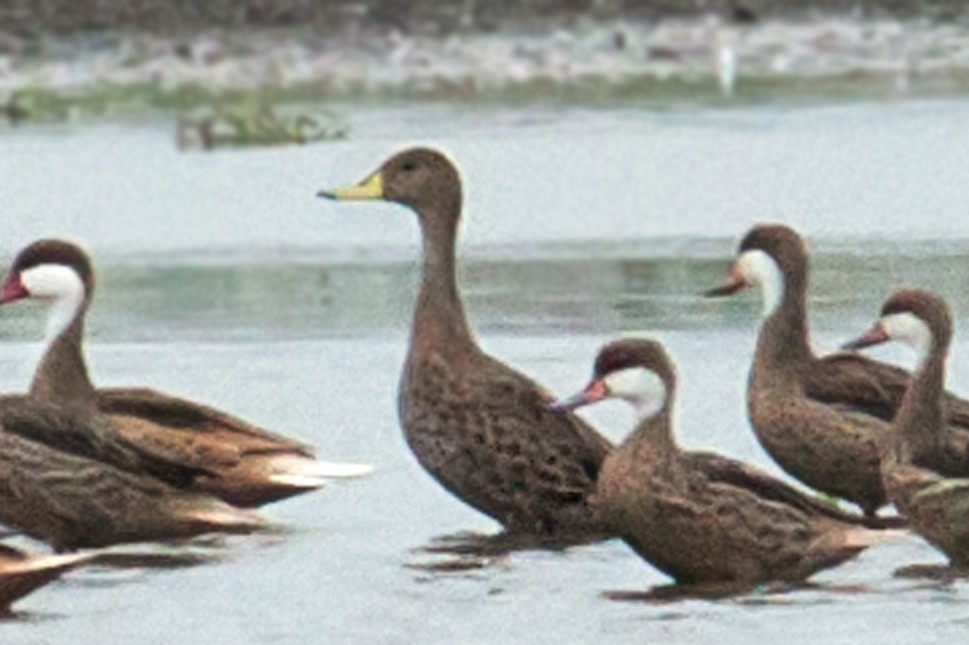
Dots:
pixel 652 441
pixel 62 378
pixel 920 419
pixel 439 315
pixel 782 346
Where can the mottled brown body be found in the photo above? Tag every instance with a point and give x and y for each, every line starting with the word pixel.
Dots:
pixel 220 454
pixel 703 518
pixel 937 506
pixel 70 501
pixel 486 433
pixel 479 427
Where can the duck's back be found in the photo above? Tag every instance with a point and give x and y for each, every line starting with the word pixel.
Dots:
pixel 486 433
pixel 225 455
pixel 710 521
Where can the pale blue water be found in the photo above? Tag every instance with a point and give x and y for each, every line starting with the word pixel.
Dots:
pixel 223 279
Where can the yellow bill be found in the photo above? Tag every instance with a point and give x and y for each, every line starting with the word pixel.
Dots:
pixel 370 188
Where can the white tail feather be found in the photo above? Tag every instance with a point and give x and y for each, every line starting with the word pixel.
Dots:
pixel 46 562
pixel 301 468
pixel 861 538
pixel 339 471
pixel 298 481
pixel 227 517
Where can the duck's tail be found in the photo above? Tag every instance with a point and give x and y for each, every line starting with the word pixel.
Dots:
pixel 217 516
pixel 303 472
pixel 862 538
pixel 21 574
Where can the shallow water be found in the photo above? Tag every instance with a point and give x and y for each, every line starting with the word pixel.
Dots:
pixel 222 278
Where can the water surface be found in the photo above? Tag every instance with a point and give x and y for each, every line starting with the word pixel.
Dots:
pixel 223 279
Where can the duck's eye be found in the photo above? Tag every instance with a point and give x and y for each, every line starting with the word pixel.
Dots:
pixel 408 166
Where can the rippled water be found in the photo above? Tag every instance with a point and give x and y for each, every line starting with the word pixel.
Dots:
pixel 222 278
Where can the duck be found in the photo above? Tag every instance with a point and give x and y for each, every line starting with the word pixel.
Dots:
pixel 824 420
pixel 913 468
pixel 184 443
pixel 22 573
pixel 478 426
pixel 695 528
pixel 51 493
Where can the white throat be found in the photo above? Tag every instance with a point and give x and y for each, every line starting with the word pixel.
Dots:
pixel 642 388
pixel 911 330
pixel 759 268
pixel 61 289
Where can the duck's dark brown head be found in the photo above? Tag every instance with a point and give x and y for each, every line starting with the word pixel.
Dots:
pixel 420 178
pixel 49 270
pixel 634 369
pixel 780 242
pixel 631 353
pixel 772 256
pixel 916 317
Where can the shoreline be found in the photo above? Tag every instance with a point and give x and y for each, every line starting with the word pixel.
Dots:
pixel 677 62
pixel 32 19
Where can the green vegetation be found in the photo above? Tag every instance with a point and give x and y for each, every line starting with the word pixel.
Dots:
pixel 207 119
pixel 256 123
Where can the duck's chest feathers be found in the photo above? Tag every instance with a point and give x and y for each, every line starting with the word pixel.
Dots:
pixel 436 406
pixel 638 482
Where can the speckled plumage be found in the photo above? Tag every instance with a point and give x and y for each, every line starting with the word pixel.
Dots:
pixel 487 434
pixel 825 420
pixel 673 510
pixel 480 428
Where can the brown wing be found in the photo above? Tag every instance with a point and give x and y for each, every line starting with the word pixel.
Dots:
pixel 96 440
pixel 70 501
pixel 184 444
pixel 164 413
pixel 724 470
pixel 870 386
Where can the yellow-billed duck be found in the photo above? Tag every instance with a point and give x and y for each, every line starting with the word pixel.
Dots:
pixel 482 429
pixel 186 444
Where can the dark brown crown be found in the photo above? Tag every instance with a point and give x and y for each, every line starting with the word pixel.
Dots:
pixel 924 305
pixel 54 251
pixel 776 240
pixel 634 352
pixel 424 179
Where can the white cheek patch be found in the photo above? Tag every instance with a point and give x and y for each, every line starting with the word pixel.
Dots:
pixel 641 387
pixel 61 288
pixel 909 329
pixel 759 268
